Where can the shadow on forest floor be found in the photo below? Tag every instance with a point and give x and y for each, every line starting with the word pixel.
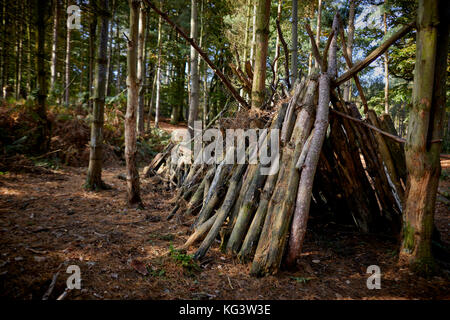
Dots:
pixel 48 219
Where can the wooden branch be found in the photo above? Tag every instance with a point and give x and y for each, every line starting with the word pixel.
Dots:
pixel 315 50
pixel 350 65
pixel 286 54
pixel 248 70
pixel 374 54
pixel 327 47
pixel 394 137
pixel 205 57
pixel 242 77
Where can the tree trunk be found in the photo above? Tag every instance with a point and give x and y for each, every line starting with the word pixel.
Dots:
pixel 194 76
pixel 43 140
pixel 94 175
pixel 386 71
pixel 133 188
pixel 425 124
pixel 253 44
pixel 2 30
pixel 150 105
pixel 54 61
pixel 294 50
pixel 67 70
pixel 262 37
pixel 92 45
pixel 19 55
pixel 29 78
pixel 158 71
pixel 247 28
pixel 5 47
pixel 110 53
pixel 318 28
pixel 141 69
pixel 177 108
pixel 350 35
pixel 118 56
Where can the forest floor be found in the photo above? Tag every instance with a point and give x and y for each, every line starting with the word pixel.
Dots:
pixel 47 222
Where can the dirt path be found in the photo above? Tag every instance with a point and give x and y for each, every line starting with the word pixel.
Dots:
pixel 46 220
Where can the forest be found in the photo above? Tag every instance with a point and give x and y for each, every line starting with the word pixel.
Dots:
pixel 224 150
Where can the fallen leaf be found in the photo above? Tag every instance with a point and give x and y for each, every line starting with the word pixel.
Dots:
pixel 139 267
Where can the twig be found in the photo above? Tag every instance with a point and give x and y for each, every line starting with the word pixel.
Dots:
pixel 64 294
pixel 286 54
pixel 44 155
pixel 128 39
pixel 52 284
pixel 229 281
pixel 393 137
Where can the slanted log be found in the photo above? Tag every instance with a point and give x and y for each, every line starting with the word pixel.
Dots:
pixel 272 241
pixel 223 212
pixel 199 232
pixel 197 198
pixel 364 138
pixel 254 231
pixel 386 155
pixel 301 214
pixel 298 227
pixel 397 149
pixel 214 194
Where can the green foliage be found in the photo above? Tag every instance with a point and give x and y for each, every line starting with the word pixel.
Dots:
pixel 156 273
pixel 185 260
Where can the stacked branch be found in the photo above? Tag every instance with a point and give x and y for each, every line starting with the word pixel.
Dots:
pixel 354 173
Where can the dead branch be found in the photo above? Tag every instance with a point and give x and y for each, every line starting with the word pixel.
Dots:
pixel 374 54
pixel 315 50
pixel 286 54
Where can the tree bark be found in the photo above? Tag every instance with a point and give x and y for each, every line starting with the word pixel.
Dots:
pixel 386 70
pixel 247 28
pixel 133 188
pixel 19 55
pixel 94 175
pixel 158 72
pixel 253 44
pixel 425 124
pixel 194 76
pixel 92 44
pixel 118 56
pixel 277 44
pixel 294 34
pixel 318 28
pixel 43 140
pixel 54 61
pixel 67 70
pixel 141 69
pixel 222 213
pixel 350 35
pixel 301 214
pixel 109 68
pixel 262 37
